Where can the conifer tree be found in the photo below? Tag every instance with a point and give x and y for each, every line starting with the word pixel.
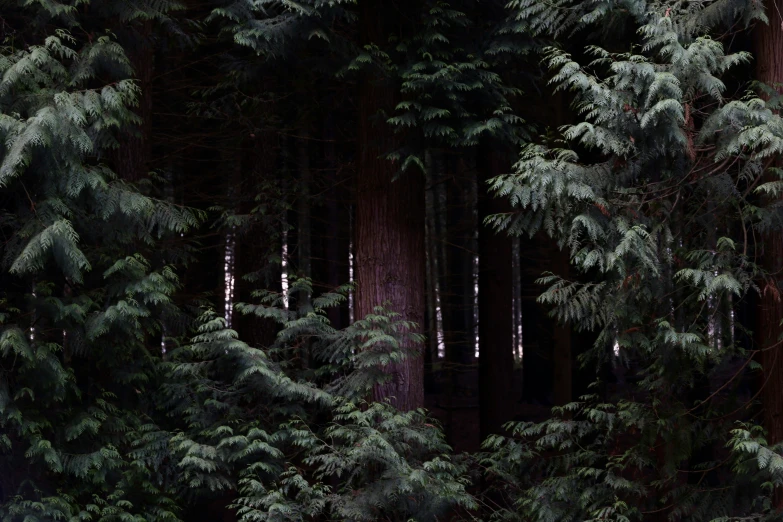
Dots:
pixel 416 90
pixel 663 195
pixel 389 214
pixel 81 287
pixel 657 160
pixel 769 69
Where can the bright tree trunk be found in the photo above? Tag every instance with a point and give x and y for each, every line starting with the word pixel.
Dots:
pixel 389 218
pixel 433 291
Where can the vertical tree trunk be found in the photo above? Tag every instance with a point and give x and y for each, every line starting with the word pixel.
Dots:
pixel 769 63
pixel 496 358
pixel 390 262
pixel 232 159
pixel 471 271
pixel 451 207
pixel 389 217
pixel 517 308
pixel 431 257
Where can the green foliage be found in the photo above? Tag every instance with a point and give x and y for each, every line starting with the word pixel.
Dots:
pixel 657 191
pixel 371 463
pixel 292 450
pixel 444 80
pixel 651 193
pixel 102 422
pixel 80 298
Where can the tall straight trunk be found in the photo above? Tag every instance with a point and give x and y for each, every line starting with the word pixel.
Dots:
pixel 431 257
pixel 389 217
pixel 441 235
pixel 288 220
pixel 430 321
pixel 769 69
pixel 233 159
pixel 471 274
pixel 458 293
pixel 562 360
pixel 517 308
pixel 436 226
pixel 496 357
pixel 452 238
pixel 352 262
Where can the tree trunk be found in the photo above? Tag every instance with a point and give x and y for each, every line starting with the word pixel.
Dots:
pixel 769 69
pixel 516 275
pixel 389 218
pixel 496 357
pixel 769 65
pixel 257 244
pixel 431 257
pixel 458 259
pixel 537 327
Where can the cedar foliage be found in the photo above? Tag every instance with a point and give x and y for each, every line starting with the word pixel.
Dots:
pixel 82 296
pixel 661 215
pixel 655 192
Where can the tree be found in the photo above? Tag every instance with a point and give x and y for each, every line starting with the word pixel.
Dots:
pixel 769 69
pixel 130 392
pixel 82 290
pixel 389 213
pixel 624 193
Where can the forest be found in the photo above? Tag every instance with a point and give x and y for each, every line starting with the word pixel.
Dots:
pixel 391 260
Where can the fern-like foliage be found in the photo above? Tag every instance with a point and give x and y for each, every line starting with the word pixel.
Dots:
pixel 81 299
pixel 651 192
pixel 256 424
pixel 371 463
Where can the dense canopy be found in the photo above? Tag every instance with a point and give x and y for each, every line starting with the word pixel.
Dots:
pixel 367 260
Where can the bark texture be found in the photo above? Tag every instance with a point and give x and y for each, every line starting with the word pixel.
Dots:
pixel 769 63
pixel 389 217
